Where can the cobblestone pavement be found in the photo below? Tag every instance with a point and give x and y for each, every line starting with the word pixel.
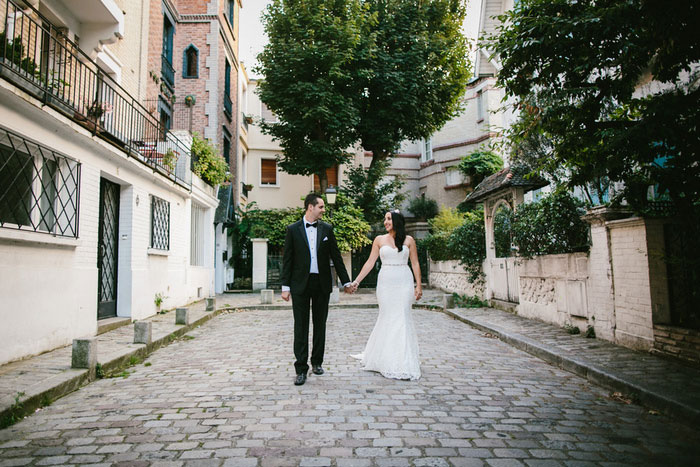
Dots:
pixel 224 396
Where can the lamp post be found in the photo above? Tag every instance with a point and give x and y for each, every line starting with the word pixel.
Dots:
pixel 331 193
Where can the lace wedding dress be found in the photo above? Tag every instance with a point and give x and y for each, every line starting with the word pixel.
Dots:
pixel 392 348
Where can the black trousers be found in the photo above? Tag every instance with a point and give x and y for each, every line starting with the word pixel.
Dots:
pixel 318 299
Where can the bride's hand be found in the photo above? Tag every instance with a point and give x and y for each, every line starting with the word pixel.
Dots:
pixel 418 293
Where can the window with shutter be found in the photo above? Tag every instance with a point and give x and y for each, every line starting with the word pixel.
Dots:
pixel 332 174
pixel 268 172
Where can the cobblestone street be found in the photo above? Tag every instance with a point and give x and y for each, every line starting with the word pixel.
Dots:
pixel 223 395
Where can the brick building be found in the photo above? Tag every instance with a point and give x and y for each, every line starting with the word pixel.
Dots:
pixel 101 219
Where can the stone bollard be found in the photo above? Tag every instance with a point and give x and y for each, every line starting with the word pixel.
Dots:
pixel 182 316
pixel 335 295
pixel 211 303
pixel 143 332
pixel 84 355
pixel 448 301
pixel 266 296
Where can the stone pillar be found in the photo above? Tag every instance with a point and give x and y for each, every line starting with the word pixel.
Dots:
pixel 84 354
pixel 182 316
pixel 143 332
pixel 259 263
pixel 266 296
pixel 448 301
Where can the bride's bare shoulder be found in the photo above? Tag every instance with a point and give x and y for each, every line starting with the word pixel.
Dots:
pixel 379 240
pixel 410 240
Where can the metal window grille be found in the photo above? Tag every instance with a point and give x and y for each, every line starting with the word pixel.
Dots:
pixel 39 188
pixel 197 246
pixel 160 223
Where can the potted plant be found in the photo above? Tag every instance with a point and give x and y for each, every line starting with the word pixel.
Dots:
pixel 97 109
pixel 158 300
pixel 169 160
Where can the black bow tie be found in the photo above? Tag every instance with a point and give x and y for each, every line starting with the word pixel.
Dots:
pixel 314 225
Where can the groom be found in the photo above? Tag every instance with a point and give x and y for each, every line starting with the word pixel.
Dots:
pixel 306 276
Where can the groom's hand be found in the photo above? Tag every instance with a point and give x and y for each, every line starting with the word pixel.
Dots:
pixel 348 289
pixel 285 296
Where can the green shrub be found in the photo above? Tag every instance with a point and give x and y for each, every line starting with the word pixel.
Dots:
pixel 437 246
pixel 480 164
pixel 467 301
pixel 468 243
pixel 207 163
pixel 551 225
pixel 446 221
pixel 423 207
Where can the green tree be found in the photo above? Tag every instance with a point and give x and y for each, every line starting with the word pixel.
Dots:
pixel 386 195
pixel 309 66
pixel 377 72
pixel 607 92
pixel 413 75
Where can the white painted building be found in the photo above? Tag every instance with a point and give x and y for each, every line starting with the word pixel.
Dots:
pixel 99 214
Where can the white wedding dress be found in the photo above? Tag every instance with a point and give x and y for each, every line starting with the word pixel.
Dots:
pixel 392 348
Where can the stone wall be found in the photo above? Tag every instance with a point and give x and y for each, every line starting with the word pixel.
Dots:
pixel 450 276
pixel 553 289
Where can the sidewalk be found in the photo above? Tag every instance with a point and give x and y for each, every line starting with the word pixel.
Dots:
pixel 650 380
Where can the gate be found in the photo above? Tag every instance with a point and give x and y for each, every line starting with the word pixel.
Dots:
pixel 683 273
pixel 504 279
pixel 107 250
pixel 274 267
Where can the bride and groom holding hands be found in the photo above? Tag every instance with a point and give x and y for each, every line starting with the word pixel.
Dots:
pixel 310 245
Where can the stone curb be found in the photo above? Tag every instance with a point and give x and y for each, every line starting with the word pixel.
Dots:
pixel 30 403
pixel 581 367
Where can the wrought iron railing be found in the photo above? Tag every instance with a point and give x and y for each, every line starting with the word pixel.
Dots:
pixel 167 72
pixel 38 58
pixel 245 119
pixel 39 188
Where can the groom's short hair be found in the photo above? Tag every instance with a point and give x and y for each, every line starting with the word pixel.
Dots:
pixel 311 198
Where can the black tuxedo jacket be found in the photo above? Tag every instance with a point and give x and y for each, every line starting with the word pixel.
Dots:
pixel 297 257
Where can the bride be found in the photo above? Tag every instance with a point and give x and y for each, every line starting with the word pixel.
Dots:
pixel 392 348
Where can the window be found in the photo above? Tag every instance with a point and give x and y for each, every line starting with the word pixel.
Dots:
pixel 39 189
pixel 332 174
pixel 228 105
pixel 167 70
pixel 230 8
pixel 267 114
pixel 166 117
pixel 479 106
pixel 190 66
pixel 160 223
pixel 427 150
pixel 197 236
pixel 227 147
pixel 268 172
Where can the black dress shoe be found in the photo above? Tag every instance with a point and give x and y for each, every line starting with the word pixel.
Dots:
pixel 300 379
pixel 317 370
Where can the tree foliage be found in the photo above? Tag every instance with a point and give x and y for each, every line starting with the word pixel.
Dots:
pixel 480 164
pixel 309 67
pixel 373 191
pixel 423 207
pixel 549 226
pixel 373 72
pixel 607 90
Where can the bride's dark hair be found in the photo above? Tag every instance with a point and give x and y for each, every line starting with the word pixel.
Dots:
pixel 398 224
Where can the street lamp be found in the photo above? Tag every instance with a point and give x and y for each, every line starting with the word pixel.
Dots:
pixel 331 193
